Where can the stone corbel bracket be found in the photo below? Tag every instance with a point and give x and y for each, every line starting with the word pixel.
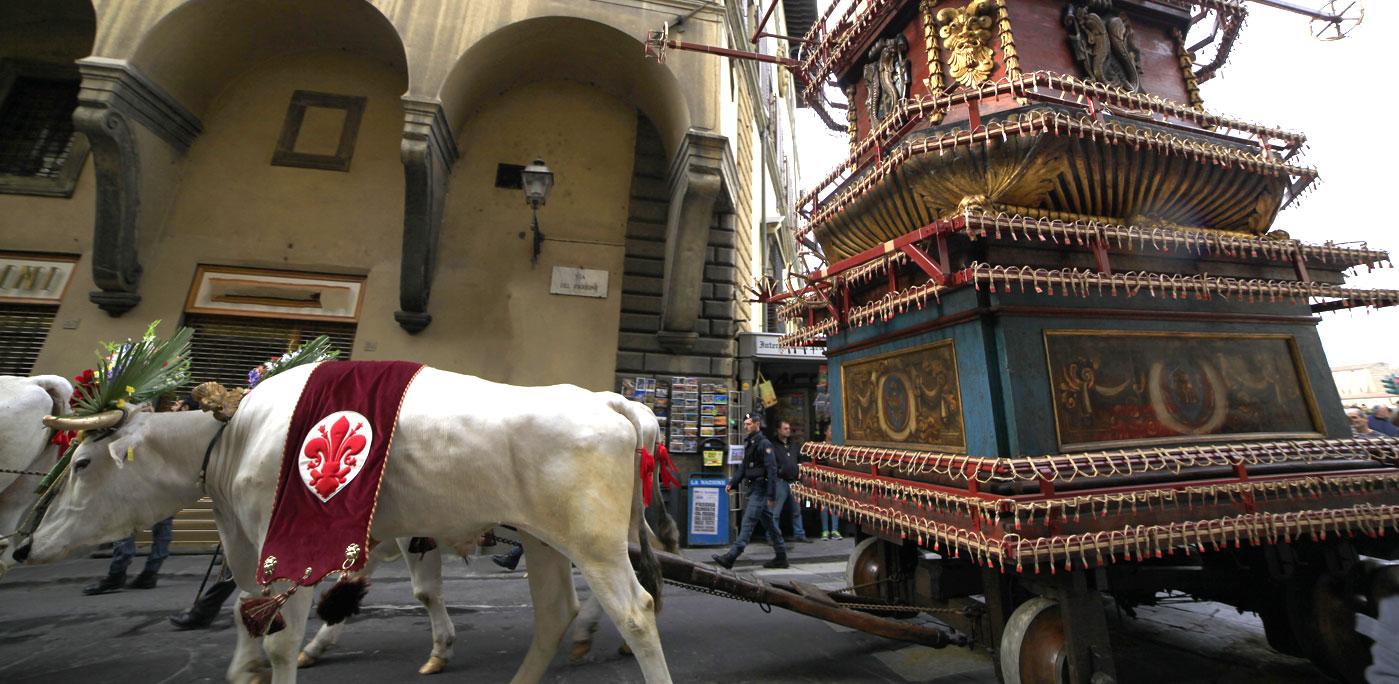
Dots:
pixel 114 96
pixel 428 152
pixel 702 180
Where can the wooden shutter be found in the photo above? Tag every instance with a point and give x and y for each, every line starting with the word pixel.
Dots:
pixel 23 330
pixel 225 348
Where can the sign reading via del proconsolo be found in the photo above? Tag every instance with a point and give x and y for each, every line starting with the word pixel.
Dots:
pixel 578 282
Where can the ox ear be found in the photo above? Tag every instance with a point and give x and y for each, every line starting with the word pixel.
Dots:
pixel 122 448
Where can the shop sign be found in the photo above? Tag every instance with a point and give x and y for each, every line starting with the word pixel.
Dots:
pixel 578 282
pixel 765 346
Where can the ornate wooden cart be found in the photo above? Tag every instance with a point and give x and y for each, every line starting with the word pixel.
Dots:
pixel 1068 357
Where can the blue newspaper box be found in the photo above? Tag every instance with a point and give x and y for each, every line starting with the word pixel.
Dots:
pixel 709 510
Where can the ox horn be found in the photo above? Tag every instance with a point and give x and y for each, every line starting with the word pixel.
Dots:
pixel 97 421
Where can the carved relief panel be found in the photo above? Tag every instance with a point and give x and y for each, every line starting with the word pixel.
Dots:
pixel 1103 44
pixel 887 77
pixel 966 35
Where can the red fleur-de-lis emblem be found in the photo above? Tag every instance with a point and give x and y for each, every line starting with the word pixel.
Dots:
pixel 333 452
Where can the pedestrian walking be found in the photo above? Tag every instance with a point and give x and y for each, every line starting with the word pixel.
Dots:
pixel 789 471
pixel 760 472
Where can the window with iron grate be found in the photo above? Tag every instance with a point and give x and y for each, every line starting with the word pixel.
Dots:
pixel 225 348
pixel 23 330
pixel 41 152
pixel 36 127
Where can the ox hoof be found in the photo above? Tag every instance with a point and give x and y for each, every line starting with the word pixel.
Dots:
pixel 580 649
pixel 624 649
pixel 432 666
pixel 261 678
pixel 305 660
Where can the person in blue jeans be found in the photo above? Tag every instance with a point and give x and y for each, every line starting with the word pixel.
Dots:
pixel 830 524
pixel 787 506
pixel 122 553
pixel 760 470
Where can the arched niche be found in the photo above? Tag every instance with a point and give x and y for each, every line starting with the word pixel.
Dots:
pixel 199 47
pixel 568 49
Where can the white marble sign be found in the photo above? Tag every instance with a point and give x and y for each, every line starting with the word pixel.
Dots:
pixel 579 282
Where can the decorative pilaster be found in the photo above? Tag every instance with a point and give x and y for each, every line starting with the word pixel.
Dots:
pixel 1009 56
pixel 936 81
pixel 428 152
pixel 702 173
pixel 114 96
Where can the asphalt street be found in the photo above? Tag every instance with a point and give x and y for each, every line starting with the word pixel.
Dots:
pixel 51 633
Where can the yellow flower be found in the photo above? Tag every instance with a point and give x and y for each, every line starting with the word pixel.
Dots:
pixel 121 403
pixel 130 390
pixel 130 455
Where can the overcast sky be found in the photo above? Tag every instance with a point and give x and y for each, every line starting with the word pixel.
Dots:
pixel 1279 75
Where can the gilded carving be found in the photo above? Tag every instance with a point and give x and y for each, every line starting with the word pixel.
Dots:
pixel 935 82
pixel 1103 44
pixel 906 397
pixel 966 34
pixel 887 76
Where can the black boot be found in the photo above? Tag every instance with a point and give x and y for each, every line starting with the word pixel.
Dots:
pixel 778 562
pixel 509 560
pixel 112 582
pixel 726 561
pixel 206 607
pixel 145 580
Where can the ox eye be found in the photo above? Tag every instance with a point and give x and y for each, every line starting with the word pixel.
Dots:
pixel 81 463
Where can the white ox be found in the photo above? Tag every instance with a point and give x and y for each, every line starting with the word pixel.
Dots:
pixel 559 463
pixel 24 445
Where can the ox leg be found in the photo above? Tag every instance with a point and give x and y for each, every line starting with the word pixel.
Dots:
pixel 555 604
pixel 282 647
pixel 632 610
pixel 427 588
pixel 329 635
pixel 584 626
pixel 247 665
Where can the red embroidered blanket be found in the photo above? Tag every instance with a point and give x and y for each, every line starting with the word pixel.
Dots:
pixel 336 450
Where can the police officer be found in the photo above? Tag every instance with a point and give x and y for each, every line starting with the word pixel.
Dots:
pixel 760 470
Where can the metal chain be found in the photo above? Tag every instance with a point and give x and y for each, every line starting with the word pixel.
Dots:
pixel 842 604
pixel 23 472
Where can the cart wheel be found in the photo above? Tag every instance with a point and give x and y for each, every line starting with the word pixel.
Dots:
pixel 864 567
pixel 1033 648
pixel 1340 650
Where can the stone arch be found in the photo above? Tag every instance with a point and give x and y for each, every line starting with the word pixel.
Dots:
pixel 150 104
pixel 196 49
pixel 569 49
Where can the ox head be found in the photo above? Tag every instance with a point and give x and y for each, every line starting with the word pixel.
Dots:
pixel 121 477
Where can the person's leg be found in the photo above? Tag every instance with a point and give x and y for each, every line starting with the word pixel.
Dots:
pixel 752 512
pixel 794 509
pixel 782 496
pixel 834 524
pixel 161 533
pixel 122 551
pixel 769 520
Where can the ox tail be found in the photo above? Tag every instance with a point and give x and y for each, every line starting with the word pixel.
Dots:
pixel 648 570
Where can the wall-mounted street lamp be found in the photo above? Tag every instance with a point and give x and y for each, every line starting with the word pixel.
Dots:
pixel 536 179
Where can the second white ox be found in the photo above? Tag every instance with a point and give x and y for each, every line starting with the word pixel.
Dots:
pixel 24 445
pixel 559 463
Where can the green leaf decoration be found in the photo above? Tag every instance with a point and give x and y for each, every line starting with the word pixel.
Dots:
pixel 136 371
pixel 318 349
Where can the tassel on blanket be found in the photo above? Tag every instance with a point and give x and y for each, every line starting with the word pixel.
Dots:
pixel 649 465
pixel 263 616
pixel 342 599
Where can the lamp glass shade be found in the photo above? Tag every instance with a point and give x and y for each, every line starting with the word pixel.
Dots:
pixel 537 179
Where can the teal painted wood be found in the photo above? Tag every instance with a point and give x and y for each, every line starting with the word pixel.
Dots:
pixel 1003 372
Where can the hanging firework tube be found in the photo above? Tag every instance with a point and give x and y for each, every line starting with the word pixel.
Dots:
pixel 1068 467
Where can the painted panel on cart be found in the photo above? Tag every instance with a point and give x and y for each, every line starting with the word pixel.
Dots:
pixel 904 398
pixel 1162 388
